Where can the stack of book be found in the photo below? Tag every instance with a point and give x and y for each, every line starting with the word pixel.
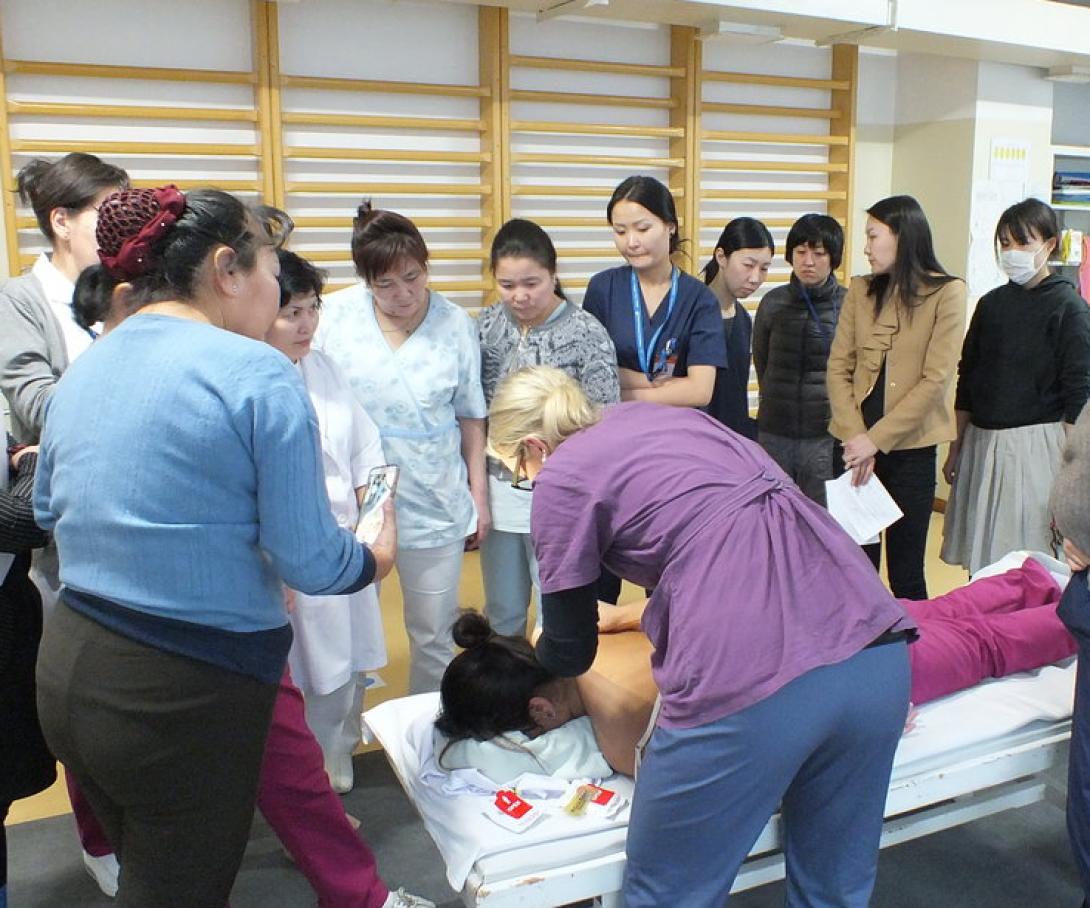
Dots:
pixel 1071 189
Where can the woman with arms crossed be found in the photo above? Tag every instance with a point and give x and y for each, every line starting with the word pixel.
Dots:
pixel 664 323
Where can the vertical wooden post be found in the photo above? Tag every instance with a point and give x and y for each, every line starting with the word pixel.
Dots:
pixel 685 181
pixel 495 74
pixel 845 68
pixel 266 52
pixel 7 175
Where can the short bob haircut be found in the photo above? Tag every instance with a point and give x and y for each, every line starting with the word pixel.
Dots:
pixel 652 195
pixel 298 277
pixel 817 230
pixel 1027 219
pixel 381 239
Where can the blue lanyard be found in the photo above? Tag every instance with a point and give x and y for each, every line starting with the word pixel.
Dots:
pixel 813 313
pixel 646 353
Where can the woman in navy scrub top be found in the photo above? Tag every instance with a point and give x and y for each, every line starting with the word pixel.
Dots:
pixel 664 323
pixel 735 272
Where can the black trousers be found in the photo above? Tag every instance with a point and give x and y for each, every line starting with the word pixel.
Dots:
pixel 909 477
pixel 167 750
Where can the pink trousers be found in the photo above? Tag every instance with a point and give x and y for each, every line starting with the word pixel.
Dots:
pixel 306 814
pixel 990 628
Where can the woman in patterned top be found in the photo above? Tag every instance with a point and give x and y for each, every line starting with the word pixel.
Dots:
pixel 532 325
pixel 412 360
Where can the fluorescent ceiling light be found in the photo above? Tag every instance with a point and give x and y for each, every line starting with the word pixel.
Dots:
pixel 1069 73
pixel 740 32
pixel 567 8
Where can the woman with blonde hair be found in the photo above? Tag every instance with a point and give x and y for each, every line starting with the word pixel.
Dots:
pixel 776 648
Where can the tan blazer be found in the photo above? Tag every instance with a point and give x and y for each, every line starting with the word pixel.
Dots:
pixel 921 351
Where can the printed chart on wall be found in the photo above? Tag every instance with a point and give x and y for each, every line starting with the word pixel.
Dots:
pixel 1007 183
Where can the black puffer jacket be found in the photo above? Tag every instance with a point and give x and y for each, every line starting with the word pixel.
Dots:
pixel 790 354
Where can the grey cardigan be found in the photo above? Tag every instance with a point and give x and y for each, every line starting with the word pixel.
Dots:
pixel 33 354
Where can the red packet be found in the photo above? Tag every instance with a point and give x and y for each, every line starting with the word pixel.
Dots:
pixel 512 812
pixel 600 796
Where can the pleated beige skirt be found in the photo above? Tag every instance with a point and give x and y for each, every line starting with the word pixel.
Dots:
pixel 999 501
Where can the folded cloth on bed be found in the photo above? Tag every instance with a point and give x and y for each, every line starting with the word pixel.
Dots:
pixel 568 752
pixel 462 835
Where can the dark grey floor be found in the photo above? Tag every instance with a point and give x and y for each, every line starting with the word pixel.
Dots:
pixel 1018 859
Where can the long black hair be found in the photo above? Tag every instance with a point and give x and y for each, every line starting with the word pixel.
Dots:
pixel 916 271
pixel 486 689
pixel 740 233
pixel 652 195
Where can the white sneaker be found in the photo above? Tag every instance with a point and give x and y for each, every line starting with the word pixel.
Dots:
pixel 103 870
pixel 403 899
pixel 339 769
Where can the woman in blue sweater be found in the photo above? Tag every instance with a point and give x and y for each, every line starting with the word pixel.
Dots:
pixel 181 476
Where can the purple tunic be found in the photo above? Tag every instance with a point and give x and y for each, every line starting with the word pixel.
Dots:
pixel 754 583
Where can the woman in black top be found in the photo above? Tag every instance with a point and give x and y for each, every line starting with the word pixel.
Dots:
pixel 1024 372
pixel 792 334
pixel 28 765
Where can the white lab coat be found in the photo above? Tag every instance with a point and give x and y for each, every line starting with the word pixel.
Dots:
pixel 338 636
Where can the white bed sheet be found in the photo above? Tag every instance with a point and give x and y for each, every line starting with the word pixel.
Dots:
pixel 946 730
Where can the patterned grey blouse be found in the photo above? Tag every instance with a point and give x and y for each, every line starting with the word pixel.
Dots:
pixel 570 339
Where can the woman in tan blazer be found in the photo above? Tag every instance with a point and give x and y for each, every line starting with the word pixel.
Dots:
pixel 891 377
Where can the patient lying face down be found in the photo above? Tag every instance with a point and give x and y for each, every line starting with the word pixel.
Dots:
pixel 496 690
pixel 993 627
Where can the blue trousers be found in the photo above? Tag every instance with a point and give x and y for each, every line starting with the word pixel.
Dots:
pixel 1074 611
pixel 820 749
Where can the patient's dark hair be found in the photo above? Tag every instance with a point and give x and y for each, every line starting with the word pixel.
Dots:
pixel 486 689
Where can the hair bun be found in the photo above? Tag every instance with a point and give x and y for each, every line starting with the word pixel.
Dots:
pixel 472 629
pixel 364 212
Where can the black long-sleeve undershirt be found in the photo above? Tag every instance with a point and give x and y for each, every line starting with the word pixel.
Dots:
pixel 569 641
pixel 18 531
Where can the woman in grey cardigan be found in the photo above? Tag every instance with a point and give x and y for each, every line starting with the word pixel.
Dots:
pixel 532 325
pixel 38 335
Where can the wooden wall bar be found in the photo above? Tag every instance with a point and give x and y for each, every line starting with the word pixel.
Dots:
pixel 532 119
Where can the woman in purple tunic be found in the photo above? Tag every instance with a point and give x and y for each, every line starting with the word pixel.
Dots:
pixel 779 657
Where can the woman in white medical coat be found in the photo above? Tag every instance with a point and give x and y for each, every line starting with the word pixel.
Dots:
pixel 337 638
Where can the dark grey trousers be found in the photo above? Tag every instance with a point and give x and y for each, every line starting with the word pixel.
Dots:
pixel 808 461
pixel 167 750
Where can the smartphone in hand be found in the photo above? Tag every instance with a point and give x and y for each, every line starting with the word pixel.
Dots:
pixel 381 485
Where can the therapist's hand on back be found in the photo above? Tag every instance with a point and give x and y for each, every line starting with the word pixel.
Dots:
pixel 384 548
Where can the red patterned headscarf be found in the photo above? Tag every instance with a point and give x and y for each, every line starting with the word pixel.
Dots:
pixel 130 223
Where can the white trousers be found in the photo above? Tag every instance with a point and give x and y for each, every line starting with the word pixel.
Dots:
pixel 335 718
pixel 509 571
pixel 429 588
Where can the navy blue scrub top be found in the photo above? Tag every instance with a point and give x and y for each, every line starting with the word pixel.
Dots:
pixel 730 399
pixel 694 332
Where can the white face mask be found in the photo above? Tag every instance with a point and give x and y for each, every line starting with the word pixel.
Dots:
pixel 1020 265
